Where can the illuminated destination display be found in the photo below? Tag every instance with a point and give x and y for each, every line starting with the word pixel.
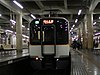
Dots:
pixel 48 21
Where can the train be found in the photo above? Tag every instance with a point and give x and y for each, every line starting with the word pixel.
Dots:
pixel 49 43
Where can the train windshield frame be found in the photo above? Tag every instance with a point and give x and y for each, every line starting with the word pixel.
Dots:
pixel 53 30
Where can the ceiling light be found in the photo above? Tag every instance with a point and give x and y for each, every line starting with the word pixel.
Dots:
pixel 70 30
pixel 94 23
pixel 97 33
pixel 9 31
pixel 12 27
pixel 0 14
pixel 99 17
pixel 27 28
pixel 23 26
pixel 49 15
pixel 79 12
pixel 18 4
pixel 12 21
pixel 73 26
pixel 25 36
pixel 76 20
pixel 33 16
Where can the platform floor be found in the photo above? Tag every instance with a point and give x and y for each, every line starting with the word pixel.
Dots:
pixel 83 62
pixel 78 67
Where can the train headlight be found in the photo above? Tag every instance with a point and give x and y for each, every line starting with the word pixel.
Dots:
pixel 37 58
pixel 57 60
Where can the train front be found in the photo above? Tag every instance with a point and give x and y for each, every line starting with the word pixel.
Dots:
pixel 49 44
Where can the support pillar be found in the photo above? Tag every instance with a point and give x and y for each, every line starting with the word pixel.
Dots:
pixel 79 33
pixel 0 35
pixel 84 34
pixel 19 33
pixel 90 30
pixel 7 41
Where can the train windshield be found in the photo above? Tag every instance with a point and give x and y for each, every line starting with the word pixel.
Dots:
pixel 49 31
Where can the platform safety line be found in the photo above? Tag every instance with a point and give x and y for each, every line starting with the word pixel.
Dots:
pixel 91 60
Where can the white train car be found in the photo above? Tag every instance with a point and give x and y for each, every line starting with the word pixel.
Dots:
pixel 49 43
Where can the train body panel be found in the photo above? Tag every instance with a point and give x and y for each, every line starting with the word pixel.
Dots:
pixel 61 50
pixel 35 50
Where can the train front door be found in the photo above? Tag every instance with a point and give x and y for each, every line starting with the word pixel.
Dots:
pixel 48 45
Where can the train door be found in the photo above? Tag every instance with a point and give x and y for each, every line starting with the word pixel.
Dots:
pixel 48 45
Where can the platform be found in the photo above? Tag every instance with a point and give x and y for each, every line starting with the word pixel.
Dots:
pixel 78 67
pixel 83 62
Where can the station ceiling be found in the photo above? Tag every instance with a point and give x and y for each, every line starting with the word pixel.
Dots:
pixel 42 8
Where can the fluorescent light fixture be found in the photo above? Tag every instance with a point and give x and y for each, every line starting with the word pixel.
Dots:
pixel 18 4
pixel 12 21
pixel 27 28
pixel 94 23
pixel 15 32
pixel 97 33
pixel 76 20
pixel 49 15
pixel 33 16
pixel 25 36
pixel 0 14
pixel 9 31
pixel 70 30
pixel 23 26
pixel 99 17
pixel 73 26
pixel 12 27
pixel 79 12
